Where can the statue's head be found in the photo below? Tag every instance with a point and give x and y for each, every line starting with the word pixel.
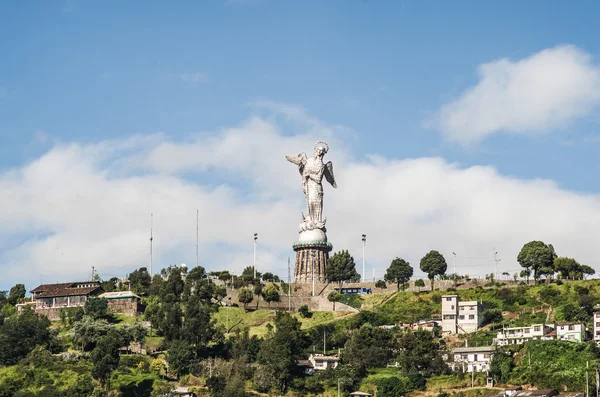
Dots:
pixel 321 148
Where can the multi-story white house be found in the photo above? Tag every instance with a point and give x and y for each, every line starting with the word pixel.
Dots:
pixel 460 317
pixel 473 359
pixel 596 319
pixel 571 332
pixel 520 335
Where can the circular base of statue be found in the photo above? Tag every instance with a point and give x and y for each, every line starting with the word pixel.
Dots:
pixel 311 260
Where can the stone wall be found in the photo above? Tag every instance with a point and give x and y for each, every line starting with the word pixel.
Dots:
pixel 128 306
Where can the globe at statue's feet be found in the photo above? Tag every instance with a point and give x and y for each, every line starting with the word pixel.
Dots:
pixel 312 235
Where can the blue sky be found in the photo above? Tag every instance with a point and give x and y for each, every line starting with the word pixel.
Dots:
pixel 375 74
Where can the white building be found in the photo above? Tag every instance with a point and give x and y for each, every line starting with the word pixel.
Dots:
pixel 520 335
pixel 571 332
pixel 322 362
pixel 460 317
pixel 596 319
pixel 473 359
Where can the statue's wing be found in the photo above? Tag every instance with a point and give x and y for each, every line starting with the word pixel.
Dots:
pixel 329 174
pixel 299 160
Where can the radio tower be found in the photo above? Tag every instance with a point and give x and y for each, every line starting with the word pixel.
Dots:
pixel 151 238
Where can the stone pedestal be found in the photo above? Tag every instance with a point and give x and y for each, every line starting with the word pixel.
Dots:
pixel 311 255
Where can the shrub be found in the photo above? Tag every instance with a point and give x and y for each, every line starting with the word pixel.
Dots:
pixel 380 284
pixel 304 311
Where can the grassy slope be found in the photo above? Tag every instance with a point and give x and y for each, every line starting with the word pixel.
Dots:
pixel 257 320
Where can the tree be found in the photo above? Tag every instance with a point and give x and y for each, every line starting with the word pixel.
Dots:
pixel 281 349
pixel 258 289
pixel 341 267
pixel 380 284
pixel 270 277
pixel 96 307
pixel 399 272
pixel 334 296
pixel 538 258
pixel 20 334
pixel 180 357
pixel 140 280
pixel 110 285
pixel 434 264
pixel 105 357
pixel 245 296
pixel 420 283
pixel 391 387
pixel 271 294
pixel 248 274
pixel 369 347
pixel 17 292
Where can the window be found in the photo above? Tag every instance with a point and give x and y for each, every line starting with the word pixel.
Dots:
pixel 537 328
pixel 571 327
pixel 598 324
pixel 464 357
pixel 452 307
pixel 486 356
pixel 526 330
pixel 462 308
pixel 471 317
pixel 562 327
pixel 471 307
pixel 461 317
pixel 448 299
pixel 448 317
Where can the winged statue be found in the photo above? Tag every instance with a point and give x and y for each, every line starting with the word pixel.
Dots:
pixel 312 171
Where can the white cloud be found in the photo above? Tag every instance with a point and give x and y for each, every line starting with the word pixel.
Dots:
pixel 83 205
pixel 529 96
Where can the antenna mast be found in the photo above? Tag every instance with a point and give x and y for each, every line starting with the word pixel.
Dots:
pixel 197 228
pixel 151 238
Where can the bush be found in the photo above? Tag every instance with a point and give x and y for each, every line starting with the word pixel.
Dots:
pixel 304 311
pixel 380 284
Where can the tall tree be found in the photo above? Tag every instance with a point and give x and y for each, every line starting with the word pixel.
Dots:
pixel 282 348
pixel 17 292
pixel 140 280
pixel 96 307
pixel 105 357
pixel 434 264
pixel 537 257
pixel 245 296
pixel 341 267
pixel 399 272
pixel 271 294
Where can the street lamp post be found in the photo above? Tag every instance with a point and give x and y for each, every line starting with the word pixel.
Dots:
pixel 254 266
pixel 364 240
pixel 454 253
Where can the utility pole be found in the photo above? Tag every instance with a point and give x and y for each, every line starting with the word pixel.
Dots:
pixel 454 253
pixel 472 378
pixel 151 238
pixel 597 381
pixel 289 287
pixel 373 274
pixel 255 238
pixel 197 229
pixel 312 267
pixel 364 240
pixel 587 381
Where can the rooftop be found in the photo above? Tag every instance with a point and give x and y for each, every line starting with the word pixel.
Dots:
pixel 66 289
pixel 475 349
pixel 118 295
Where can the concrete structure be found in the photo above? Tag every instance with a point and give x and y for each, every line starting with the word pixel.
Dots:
pixel 50 299
pixel 596 320
pixel 125 302
pixel 571 332
pixel 322 362
pixel 460 317
pixel 473 359
pixel 312 248
pixel 520 335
